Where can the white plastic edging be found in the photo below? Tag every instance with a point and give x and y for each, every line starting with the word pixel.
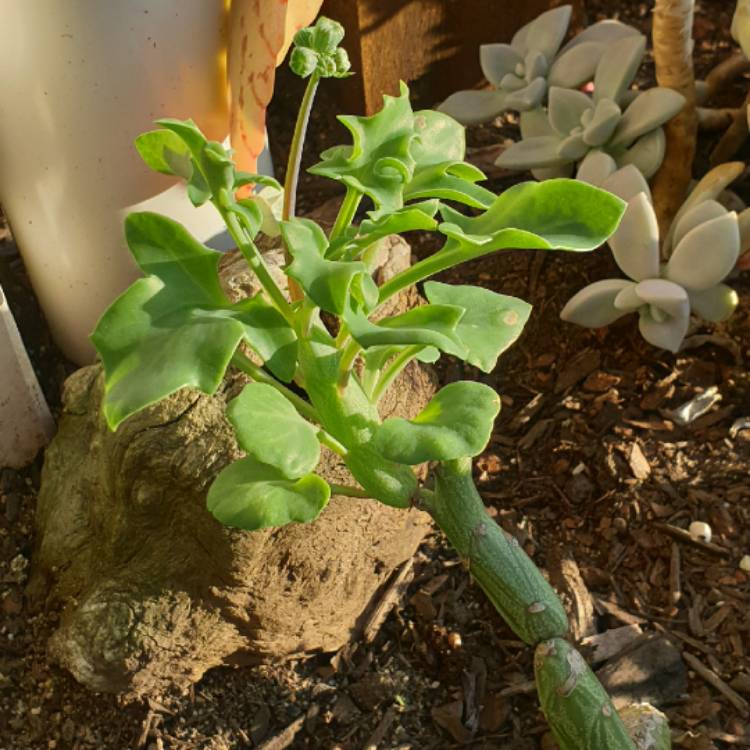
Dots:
pixel 26 424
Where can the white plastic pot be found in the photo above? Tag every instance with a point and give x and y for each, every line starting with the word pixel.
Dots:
pixel 25 422
pixel 79 80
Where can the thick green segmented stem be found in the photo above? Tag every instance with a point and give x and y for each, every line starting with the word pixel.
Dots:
pixel 578 709
pixel 512 582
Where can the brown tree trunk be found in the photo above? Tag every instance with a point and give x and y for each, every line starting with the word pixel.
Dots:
pixel 672 37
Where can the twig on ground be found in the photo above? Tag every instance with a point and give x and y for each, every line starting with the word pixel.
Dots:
pixel 381 730
pixel 715 681
pixel 683 536
pixel 284 739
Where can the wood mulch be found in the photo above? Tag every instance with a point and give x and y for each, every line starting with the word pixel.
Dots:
pixel 606 449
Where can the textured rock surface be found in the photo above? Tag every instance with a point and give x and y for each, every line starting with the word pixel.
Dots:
pixel 154 591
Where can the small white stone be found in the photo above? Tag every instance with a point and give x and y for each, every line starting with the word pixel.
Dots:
pixel 745 564
pixel 700 531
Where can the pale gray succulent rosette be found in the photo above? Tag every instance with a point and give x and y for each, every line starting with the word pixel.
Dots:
pixel 520 72
pixel 705 241
pixel 622 123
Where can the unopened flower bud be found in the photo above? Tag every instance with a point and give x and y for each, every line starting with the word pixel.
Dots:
pixel 326 35
pixel 304 38
pixel 303 61
pixel 341 58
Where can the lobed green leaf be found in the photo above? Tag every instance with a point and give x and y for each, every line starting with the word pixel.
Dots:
pixel 175 328
pixel 387 481
pixel 327 282
pixel 492 321
pixel 251 495
pixel 456 423
pixel 429 325
pixel 379 162
pixel 152 344
pixel 440 170
pixel 165 152
pixel 565 214
pixel 270 429
pixel 268 334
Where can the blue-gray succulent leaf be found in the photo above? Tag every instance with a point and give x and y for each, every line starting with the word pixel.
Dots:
pixel 535 122
pixel 529 97
pixel 553 173
pixel 649 110
pixel 715 304
pixel 533 153
pixel 604 32
pixel 596 167
pixel 511 82
pixel 635 242
pixel 664 295
pixel 706 254
pixel 662 330
pixel 497 61
pixel 577 66
pixel 474 107
pixel 697 214
pixel 628 300
pixel 535 65
pixel 546 32
pixel 646 154
pixel 709 187
pixel 617 69
pixel 602 122
pixel 573 147
pixel 626 183
pixel 594 305
pixel 566 108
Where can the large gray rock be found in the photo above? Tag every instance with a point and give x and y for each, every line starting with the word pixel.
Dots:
pixel 153 590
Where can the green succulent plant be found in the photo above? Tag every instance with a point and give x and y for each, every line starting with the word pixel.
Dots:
pixel 315 385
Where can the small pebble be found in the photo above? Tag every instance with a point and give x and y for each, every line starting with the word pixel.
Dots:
pixel 745 564
pixel 620 524
pixel 700 531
